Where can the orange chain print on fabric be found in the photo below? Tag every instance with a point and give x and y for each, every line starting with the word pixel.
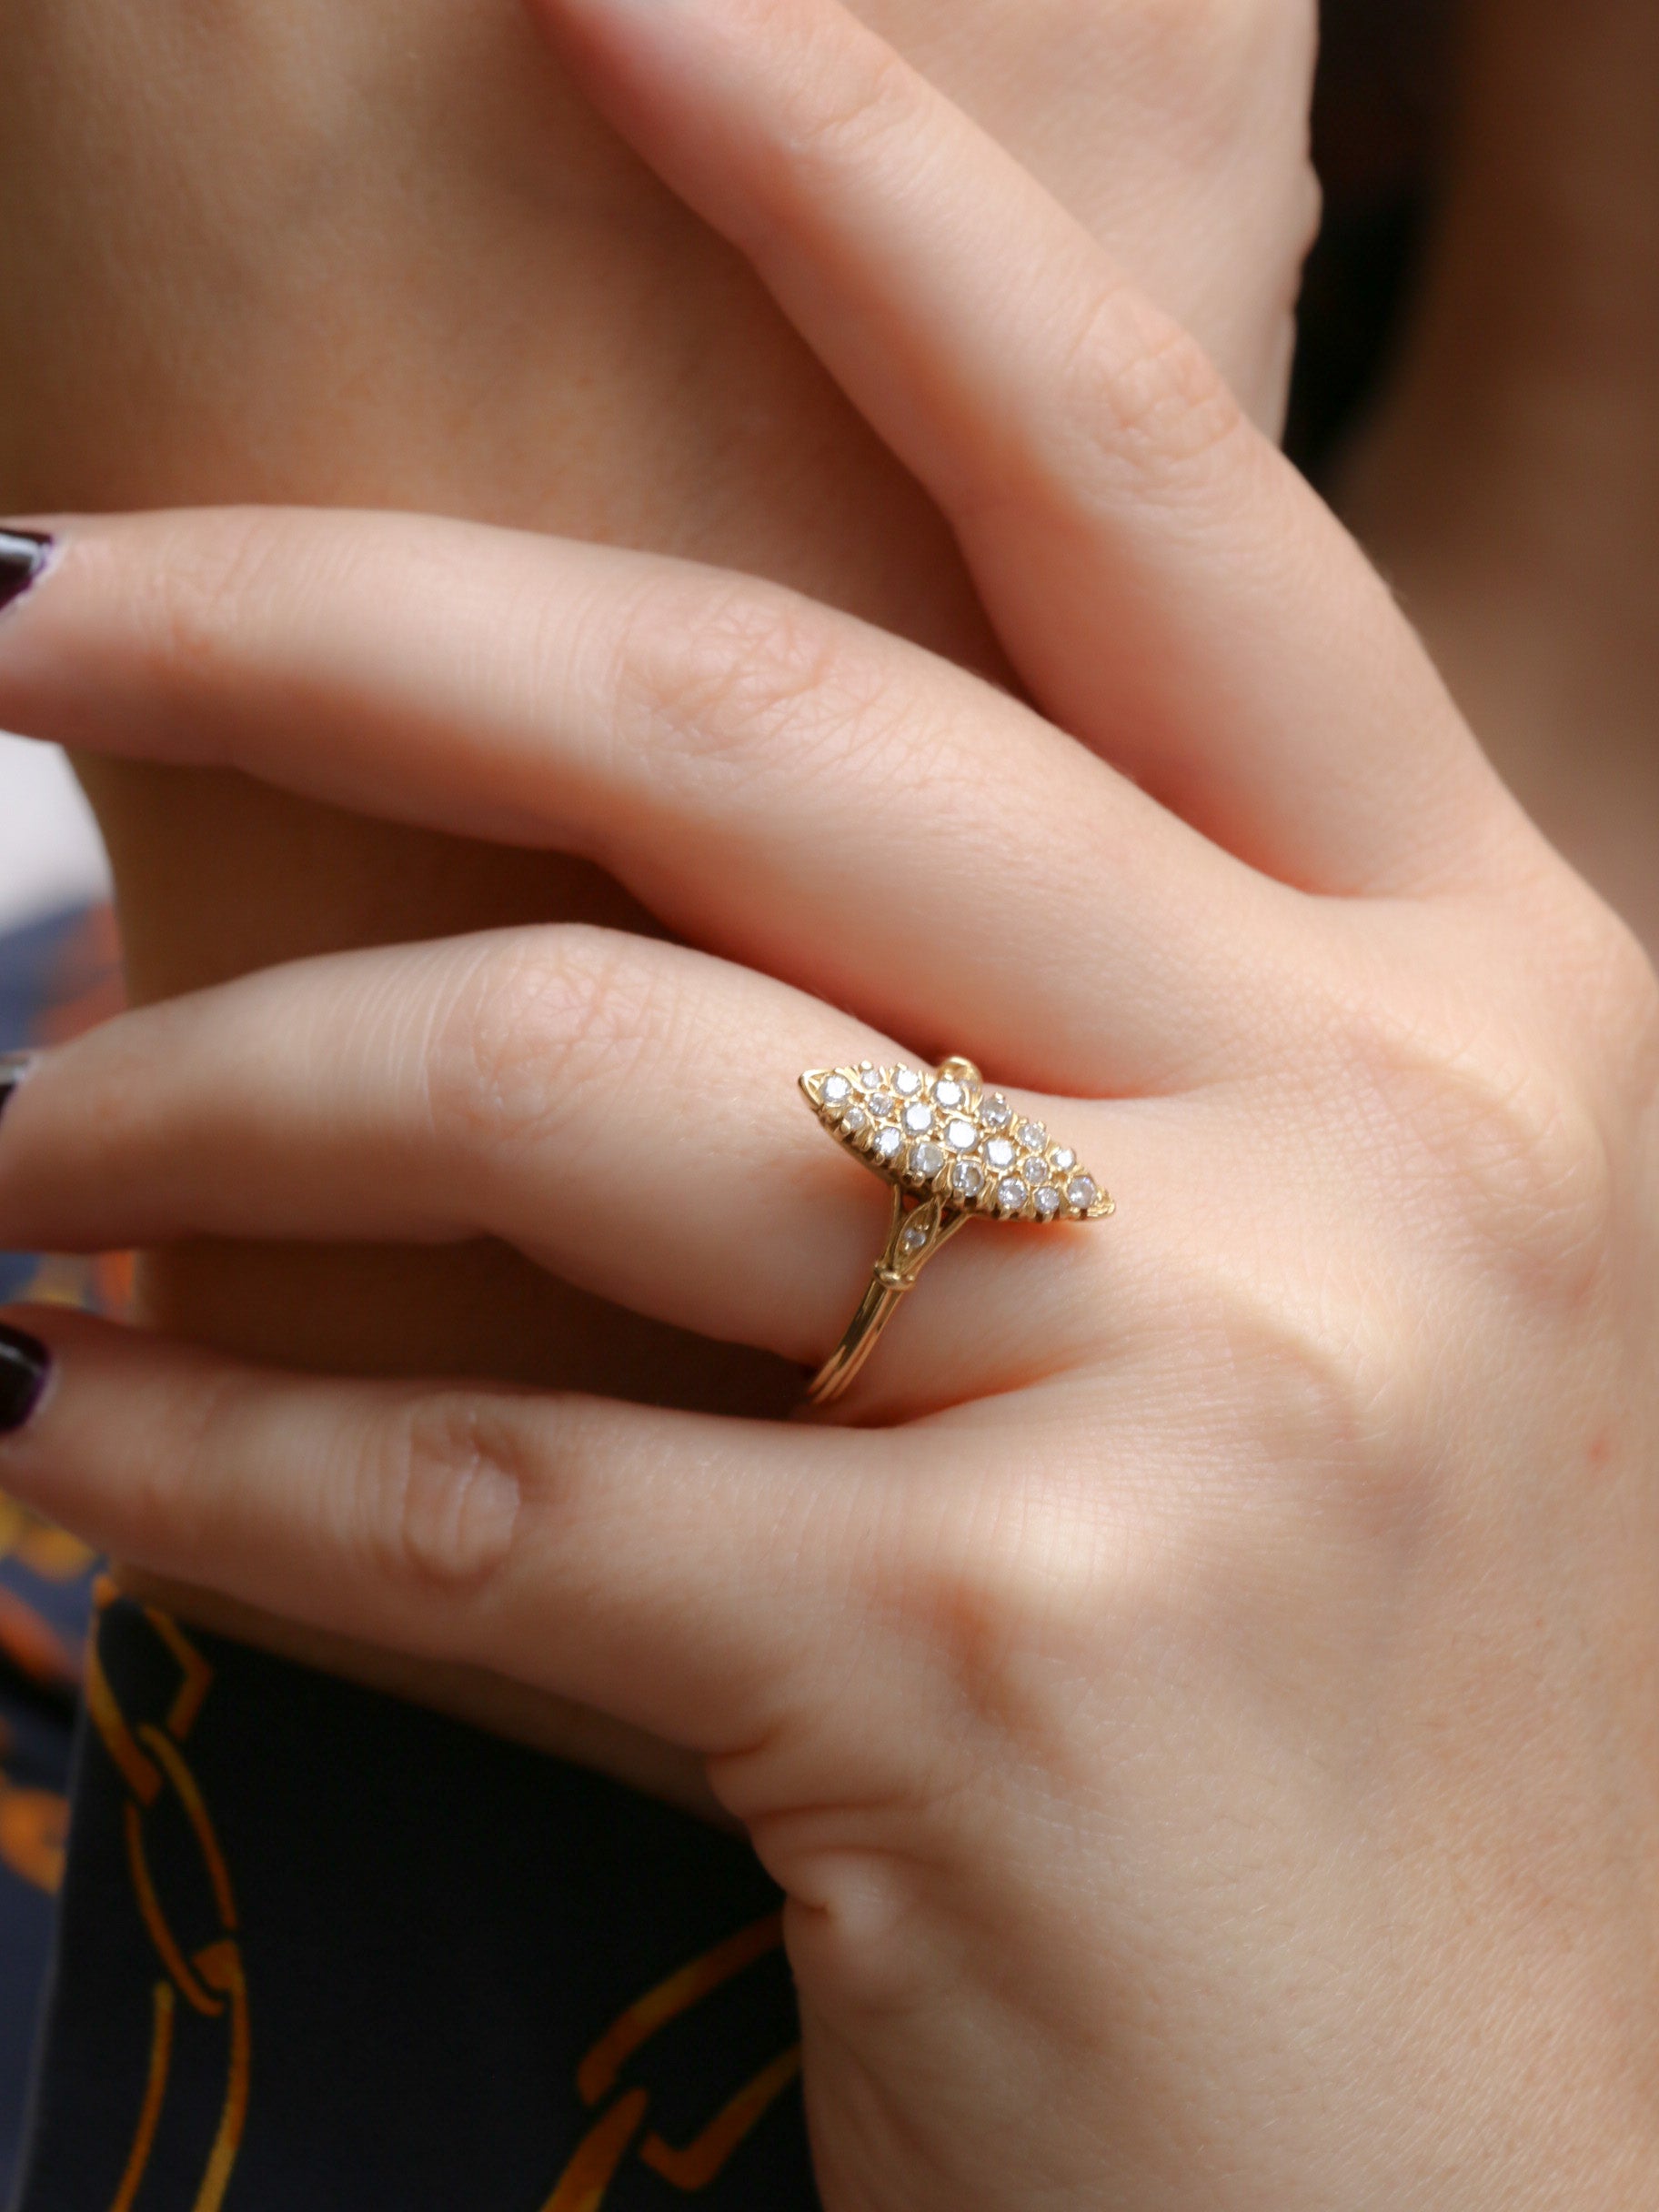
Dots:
pixel 212 1983
pixel 587 2180
pixel 33 1822
pixel 210 1980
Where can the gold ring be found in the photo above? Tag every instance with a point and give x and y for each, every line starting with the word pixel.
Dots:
pixel 953 1151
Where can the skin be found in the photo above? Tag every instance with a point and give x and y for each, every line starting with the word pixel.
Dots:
pixel 1239 1614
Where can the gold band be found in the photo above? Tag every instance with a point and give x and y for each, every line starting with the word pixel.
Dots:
pixel 914 1235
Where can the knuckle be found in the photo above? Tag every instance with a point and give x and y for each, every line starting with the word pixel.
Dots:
pixel 1307 218
pixel 1016 1593
pixel 1504 1143
pixel 843 102
pixel 742 688
pixel 1610 997
pixel 441 1490
pixel 1310 1383
pixel 1142 396
pixel 221 578
pixel 542 1022
pixel 1538 1167
pixel 212 571
pixel 1045 1590
pixel 177 1487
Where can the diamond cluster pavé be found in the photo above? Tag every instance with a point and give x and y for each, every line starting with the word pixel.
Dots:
pixel 966 1145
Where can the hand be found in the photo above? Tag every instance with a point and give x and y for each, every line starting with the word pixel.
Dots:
pixel 1202 1714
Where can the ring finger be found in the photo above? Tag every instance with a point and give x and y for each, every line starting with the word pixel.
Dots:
pixel 624 1112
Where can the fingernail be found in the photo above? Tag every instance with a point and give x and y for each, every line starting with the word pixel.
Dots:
pixel 24 1364
pixel 14 1067
pixel 23 559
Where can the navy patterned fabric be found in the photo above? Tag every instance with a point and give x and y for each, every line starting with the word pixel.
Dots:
pixel 54 976
pixel 321 1948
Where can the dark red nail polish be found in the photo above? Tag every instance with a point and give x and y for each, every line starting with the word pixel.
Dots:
pixel 23 556
pixel 24 1365
pixel 14 1067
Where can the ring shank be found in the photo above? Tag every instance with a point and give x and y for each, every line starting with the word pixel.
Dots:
pixel 879 1303
pixel 916 1233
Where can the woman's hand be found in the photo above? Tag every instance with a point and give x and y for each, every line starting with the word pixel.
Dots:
pixel 1202 1713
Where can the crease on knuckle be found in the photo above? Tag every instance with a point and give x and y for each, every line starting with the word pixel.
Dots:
pixel 1139 399
pixel 441 1492
pixel 543 1024
pixel 1307 1391
pixel 1039 1593
pixel 178 1503
pixel 1539 1173
pixel 731 695
pixel 1011 1591
pixel 214 573
pixel 1514 1144
pixel 842 107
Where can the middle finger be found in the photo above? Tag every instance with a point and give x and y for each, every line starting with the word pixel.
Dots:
pixel 776 781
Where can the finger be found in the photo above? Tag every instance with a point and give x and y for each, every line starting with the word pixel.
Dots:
pixel 678 1572
pixel 1167 585
pixel 626 1112
pixel 759 770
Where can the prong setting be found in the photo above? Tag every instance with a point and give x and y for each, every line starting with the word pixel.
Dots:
pixel 946 1137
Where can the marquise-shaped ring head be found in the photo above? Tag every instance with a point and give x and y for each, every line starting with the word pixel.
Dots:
pixel 947 1135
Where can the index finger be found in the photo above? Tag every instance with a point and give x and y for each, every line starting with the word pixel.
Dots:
pixel 1168 586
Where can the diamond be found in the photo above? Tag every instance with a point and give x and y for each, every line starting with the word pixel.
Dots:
pixel 967 1179
pixel 836 1088
pixel 1033 1136
pixel 919 1119
pixel 949 1092
pixel 996 1113
pixel 870 1078
pixel 1010 1194
pixel 905 1082
pixel 1034 1166
pixel 1000 1152
pixel 1081 1192
pixel 1048 1202
pixel 913 1239
pixel 1064 1160
pixel 888 1145
pixel 962 1136
pixel 883 1102
pixel 926 1160
pixel 854 1120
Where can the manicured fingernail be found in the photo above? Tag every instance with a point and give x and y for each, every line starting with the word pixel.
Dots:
pixel 14 1067
pixel 23 560
pixel 24 1365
